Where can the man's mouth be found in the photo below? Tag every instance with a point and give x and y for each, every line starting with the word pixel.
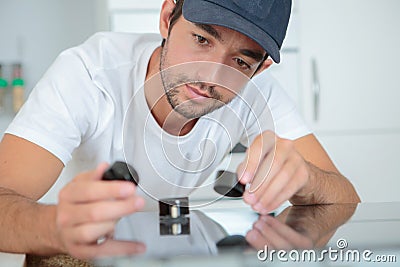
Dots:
pixel 196 93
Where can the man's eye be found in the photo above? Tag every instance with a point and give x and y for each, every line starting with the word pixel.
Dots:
pixel 242 63
pixel 200 39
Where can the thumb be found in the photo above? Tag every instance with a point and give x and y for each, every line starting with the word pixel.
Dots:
pixel 245 176
pixel 99 171
pixel 255 154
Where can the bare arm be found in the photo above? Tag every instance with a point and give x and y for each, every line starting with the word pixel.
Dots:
pixel 326 183
pixel 27 171
pixel 88 208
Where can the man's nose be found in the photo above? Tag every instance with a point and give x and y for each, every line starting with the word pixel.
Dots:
pixel 220 74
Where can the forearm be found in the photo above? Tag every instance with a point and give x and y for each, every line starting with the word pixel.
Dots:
pixel 27 226
pixel 325 187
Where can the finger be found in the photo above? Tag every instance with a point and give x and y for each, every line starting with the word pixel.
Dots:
pixel 264 177
pixel 89 233
pixel 263 173
pixel 101 168
pixel 89 191
pixel 252 195
pixel 273 164
pixel 255 153
pixel 70 215
pixel 269 192
pixel 299 181
pixel 108 248
pixel 95 174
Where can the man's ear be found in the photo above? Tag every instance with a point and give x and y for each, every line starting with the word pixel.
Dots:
pixel 165 17
pixel 265 65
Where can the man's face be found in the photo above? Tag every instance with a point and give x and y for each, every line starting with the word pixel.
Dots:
pixel 203 67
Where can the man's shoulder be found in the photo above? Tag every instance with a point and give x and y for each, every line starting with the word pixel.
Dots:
pixel 113 49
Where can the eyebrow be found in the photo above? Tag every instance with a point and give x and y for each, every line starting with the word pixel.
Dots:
pixel 256 55
pixel 210 30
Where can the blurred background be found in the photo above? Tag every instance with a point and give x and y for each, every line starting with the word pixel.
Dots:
pixel 340 64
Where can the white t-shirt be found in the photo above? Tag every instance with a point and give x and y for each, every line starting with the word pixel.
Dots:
pixel 90 107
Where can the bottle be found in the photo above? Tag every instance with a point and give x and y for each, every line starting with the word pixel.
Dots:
pixel 17 87
pixel 3 88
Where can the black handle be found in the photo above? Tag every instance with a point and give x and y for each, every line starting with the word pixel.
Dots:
pixel 227 184
pixel 121 171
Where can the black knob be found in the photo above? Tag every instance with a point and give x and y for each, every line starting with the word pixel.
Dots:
pixel 121 171
pixel 227 184
pixel 233 241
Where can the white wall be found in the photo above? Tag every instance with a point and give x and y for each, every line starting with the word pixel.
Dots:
pixel 35 32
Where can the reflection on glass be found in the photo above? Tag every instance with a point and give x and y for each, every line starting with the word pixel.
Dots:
pixel 299 227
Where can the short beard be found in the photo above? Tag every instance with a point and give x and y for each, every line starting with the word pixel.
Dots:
pixel 189 109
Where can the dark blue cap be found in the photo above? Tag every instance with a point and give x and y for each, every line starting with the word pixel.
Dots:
pixel 264 21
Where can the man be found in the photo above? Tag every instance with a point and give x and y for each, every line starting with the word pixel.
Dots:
pixel 93 106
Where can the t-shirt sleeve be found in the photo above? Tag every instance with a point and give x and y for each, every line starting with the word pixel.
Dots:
pixel 61 109
pixel 272 109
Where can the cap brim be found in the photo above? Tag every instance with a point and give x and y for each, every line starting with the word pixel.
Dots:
pixel 209 13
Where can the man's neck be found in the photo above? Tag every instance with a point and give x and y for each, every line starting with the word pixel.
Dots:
pixel 168 119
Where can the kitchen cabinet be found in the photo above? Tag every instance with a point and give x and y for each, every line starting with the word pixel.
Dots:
pixel 355 47
pixel 350 87
pixel 134 16
pixel 370 161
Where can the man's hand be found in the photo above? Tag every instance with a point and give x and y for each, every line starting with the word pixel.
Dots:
pixel 87 212
pixel 276 172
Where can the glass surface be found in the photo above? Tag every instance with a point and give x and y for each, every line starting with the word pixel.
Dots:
pixel 227 236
